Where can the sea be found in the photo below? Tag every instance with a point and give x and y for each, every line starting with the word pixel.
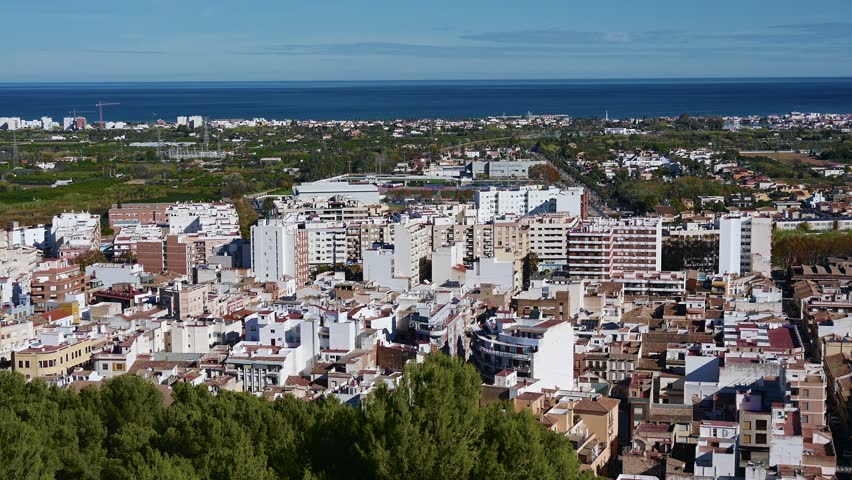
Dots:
pixel 375 100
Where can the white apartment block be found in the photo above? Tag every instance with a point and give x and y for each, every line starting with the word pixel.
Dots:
pixel 108 274
pixel 72 234
pixel 335 209
pixel 29 236
pixel 717 452
pixel 528 200
pixel 279 248
pixel 651 283
pixel 411 245
pixel 535 348
pixel 16 272
pixel 214 219
pixel 326 243
pixel 548 237
pixel 398 266
pixel 745 244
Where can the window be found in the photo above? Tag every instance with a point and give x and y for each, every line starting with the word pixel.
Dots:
pixel 105 366
pixel 747 426
pixel 761 424
pixel 20 364
pixel 804 419
pixel 746 438
pixel 761 438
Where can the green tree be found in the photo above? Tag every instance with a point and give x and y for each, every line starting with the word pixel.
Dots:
pixel 89 258
pixel 428 426
pixel 25 453
pixel 233 185
pixel 514 446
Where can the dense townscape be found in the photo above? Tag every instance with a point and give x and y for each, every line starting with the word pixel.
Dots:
pixel 664 298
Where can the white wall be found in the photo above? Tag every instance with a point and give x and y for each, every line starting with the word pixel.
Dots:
pixel 273 246
pixel 491 271
pixel 443 261
pixel 111 273
pixel 341 336
pixel 553 364
pixel 191 338
pixel 730 244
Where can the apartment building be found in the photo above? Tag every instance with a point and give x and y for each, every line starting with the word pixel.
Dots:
pixel 327 243
pixel 411 246
pixel 529 200
pixel 15 335
pixel 745 244
pixel 16 267
pixel 52 281
pixel 138 213
pixel 340 208
pixel 548 237
pixel 72 234
pixel 590 247
pixel 651 282
pixel 279 248
pixel 216 219
pixel 716 452
pixel 637 244
pixel 599 247
pixel 534 348
pixel 52 360
pixel 184 301
pixel 599 416
pixel 510 236
pixel 807 389
pixel 398 265
pixel 17 235
pixel 127 239
pixel 362 235
pixel 173 253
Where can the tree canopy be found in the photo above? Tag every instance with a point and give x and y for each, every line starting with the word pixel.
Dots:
pixel 430 426
pixel 803 248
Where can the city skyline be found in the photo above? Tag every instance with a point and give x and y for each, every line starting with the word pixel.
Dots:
pixel 436 41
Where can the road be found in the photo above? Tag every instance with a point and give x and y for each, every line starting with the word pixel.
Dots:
pixel 597 207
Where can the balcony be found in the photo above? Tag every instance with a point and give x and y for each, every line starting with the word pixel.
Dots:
pixel 497 353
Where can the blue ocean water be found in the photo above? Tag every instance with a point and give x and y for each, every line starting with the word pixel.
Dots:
pixel 429 99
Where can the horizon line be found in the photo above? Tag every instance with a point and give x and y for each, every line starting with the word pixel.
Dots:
pixel 448 80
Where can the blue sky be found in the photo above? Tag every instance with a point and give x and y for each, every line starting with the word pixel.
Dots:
pixel 167 40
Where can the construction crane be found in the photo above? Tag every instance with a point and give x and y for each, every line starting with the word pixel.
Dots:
pixel 101 106
pixel 75 113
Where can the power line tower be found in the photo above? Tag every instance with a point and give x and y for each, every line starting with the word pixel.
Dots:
pixel 14 149
pixel 159 139
pixel 206 135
